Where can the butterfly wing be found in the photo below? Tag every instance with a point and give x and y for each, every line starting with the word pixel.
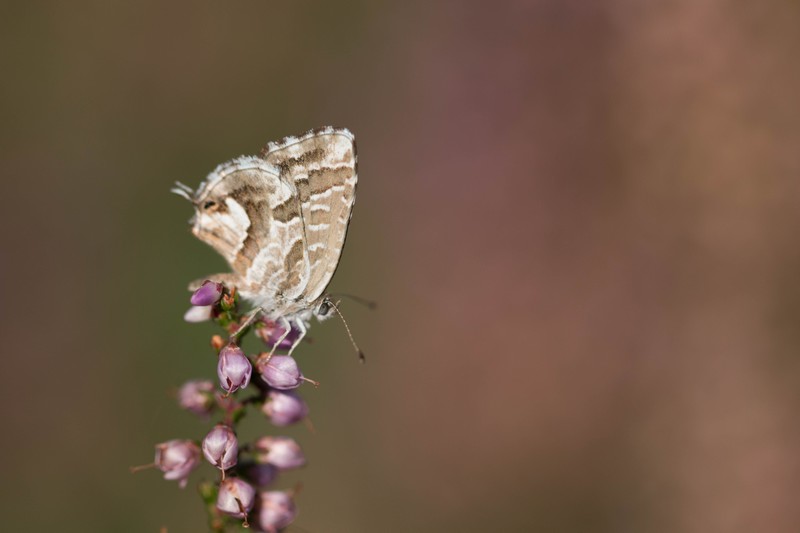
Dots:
pixel 247 202
pixel 321 165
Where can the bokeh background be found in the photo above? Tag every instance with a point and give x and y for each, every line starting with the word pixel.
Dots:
pixel 580 220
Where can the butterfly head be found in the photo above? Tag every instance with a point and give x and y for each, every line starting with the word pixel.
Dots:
pixel 219 220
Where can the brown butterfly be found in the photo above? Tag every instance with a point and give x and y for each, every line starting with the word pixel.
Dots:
pixel 280 220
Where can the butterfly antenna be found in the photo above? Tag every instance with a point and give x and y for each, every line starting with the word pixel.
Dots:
pixel 361 356
pixel 183 190
pixel 370 304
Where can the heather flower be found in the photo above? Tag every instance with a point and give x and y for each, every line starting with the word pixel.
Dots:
pixel 197 397
pixel 233 368
pixel 282 452
pixel 221 447
pixel 177 459
pixel 236 497
pixel 263 461
pixel 275 511
pixel 198 313
pixel 208 294
pixel 280 372
pixel 270 332
pixel 284 408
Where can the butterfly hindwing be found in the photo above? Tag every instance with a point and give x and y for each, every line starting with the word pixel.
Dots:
pixel 321 165
pixel 257 213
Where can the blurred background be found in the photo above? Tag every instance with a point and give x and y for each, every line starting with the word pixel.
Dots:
pixel 580 220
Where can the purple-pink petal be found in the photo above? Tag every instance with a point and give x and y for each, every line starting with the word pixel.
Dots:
pixel 208 294
pixel 281 372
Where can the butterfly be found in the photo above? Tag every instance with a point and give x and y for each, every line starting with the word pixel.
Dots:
pixel 280 220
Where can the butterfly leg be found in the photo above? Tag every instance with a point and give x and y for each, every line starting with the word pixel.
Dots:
pixel 302 328
pixel 287 328
pixel 249 319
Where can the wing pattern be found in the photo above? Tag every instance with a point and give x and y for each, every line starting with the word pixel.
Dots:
pixel 321 165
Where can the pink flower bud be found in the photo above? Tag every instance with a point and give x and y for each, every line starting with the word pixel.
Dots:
pixel 235 497
pixel 198 313
pixel 221 447
pixel 233 368
pixel 208 294
pixel 177 459
pixel 270 332
pixel 276 510
pixel 283 452
pixel 197 397
pixel 284 407
pixel 281 372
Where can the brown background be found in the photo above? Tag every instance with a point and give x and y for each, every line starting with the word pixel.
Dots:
pixel 580 220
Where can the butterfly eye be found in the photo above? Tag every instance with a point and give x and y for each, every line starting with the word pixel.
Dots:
pixel 209 204
pixel 324 308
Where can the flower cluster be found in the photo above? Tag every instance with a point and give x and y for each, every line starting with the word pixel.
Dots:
pixel 245 469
